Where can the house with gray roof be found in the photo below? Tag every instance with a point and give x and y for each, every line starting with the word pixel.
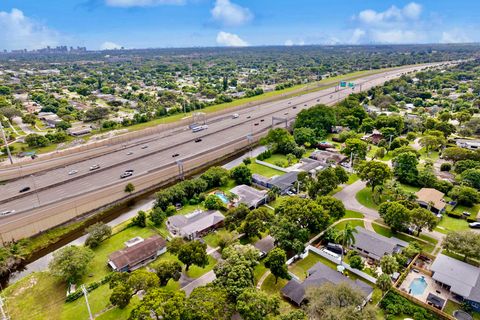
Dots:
pixel 318 275
pixel 265 245
pixel 284 182
pixel 195 224
pixel 251 197
pixel 374 245
pixel 460 278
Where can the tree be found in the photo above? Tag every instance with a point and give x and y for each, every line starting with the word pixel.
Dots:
pixel 70 263
pixel 463 116
pixel 384 282
pixel 422 218
pixel 325 182
pixel 471 177
pixel 356 147
pixel 276 261
pixel 29 118
pixel 157 216
pixel 320 118
pixel 456 154
pixel 463 165
pixel 208 303
pixel 256 222
pixel 395 215
pixel 129 188
pixel 341 174
pixel 389 264
pixel 465 243
pixel 121 296
pixel 464 195
pixel 375 173
pixel 166 270
pixel 356 262
pixel 254 304
pixel 293 315
pixel 346 237
pixel 236 215
pixel 383 101
pixel 279 140
pixel 337 302
pixel 10 112
pixel 96 113
pixel 97 233
pixel 36 141
pixel 431 142
pixel 212 202
pixel 405 168
pixel 304 136
pixel 215 177
pixel 242 175
pixel 160 303
pixel 193 252
pixel 140 220
pixel 142 280
pixel 333 206
pixel 174 245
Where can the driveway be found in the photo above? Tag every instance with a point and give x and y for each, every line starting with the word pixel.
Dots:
pixel 347 196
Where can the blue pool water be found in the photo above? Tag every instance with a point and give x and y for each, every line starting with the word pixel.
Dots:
pixel 222 197
pixel 417 286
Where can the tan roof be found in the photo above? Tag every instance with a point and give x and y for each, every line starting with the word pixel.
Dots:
pixel 135 254
pixel 434 196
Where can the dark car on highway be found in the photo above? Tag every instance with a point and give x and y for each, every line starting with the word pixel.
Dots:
pixel 24 189
pixel 175 155
pixel 198 139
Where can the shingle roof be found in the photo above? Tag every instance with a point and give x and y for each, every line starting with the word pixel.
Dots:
pixel 135 254
pixel 376 244
pixel 196 222
pixel 428 195
pixel 266 244
pixel 285 181
pixel 463 278
pixel 317 276
pixel 248 195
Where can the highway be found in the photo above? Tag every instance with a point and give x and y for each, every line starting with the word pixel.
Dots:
pixel 150 153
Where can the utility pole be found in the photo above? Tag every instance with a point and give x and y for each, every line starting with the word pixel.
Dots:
pixel 85 293
pixel 3 313
pixel 390 143
pixel 6 143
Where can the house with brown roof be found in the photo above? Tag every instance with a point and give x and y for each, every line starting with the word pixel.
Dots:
pixel 431 199
pixel 195 224
pixel 137 253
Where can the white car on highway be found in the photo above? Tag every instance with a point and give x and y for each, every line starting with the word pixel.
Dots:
pixel 7 212
pixel 95 167
pixel 126 174
pixel 72 172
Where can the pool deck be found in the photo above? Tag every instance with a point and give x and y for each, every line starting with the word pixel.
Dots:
pixel 432 287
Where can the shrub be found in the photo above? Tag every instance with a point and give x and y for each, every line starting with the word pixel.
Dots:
pixel 356 262
pixel 446 166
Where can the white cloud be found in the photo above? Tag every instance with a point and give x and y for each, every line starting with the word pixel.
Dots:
pixel 230 40
pixel 290 43
pixel 142 3
pixel 21 32
pixel 230 14
pixel 396 36
pixel 108 45
pixel 357 35
pixel 454 36
pixel 411 11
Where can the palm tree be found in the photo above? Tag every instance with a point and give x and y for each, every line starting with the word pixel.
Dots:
pixel 346 237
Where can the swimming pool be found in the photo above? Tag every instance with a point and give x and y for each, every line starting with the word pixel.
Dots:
pixel 418 286
pixel 222 197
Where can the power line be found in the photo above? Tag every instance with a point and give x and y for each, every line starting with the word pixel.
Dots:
pixel 85 293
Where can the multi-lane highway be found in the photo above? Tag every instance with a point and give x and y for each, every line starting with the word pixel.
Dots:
pixel 147 154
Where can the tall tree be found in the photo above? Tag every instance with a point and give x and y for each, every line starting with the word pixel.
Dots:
pixel 356 148
pixel 395 215
pixel 70 263
pixel 465 243
pixel 389 264
pixel 208 303
pixel 193 252
pixel 405 167
pixel 276 261
pixel 375 173
pixel 422 218
pixel 346 237
pixel 166 270
pixel 254 304
pixel 97 233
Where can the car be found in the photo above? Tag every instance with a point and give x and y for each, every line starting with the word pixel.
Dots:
pixel 249 117
pixel 126 174
pixel 24 189
pixel 289 102
pixel 475 225
pixel 262 120
pixel 318 100
pixel 129 170
pixel 285 113
pixel 7 212
pixel 175 155
pixel 145 146
pixel 466 213
pixel 198 140
pixel 256 124
pixel 235 116
pixel 72 172
pixel 305 105
pixel 94 167
pixel 129 153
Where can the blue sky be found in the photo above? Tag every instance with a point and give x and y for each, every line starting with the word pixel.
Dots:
pixel 108 24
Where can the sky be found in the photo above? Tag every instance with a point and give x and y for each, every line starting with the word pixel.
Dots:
pixel 110 24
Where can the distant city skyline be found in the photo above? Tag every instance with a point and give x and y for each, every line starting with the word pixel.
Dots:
pixel 110 24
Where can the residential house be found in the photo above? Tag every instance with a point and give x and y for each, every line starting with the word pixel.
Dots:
pixel 195 224
pixel 284 183
pixel 311 166
pixel 375 137
pixel 460 278
pixel 249 196
pixel 265 245
pixel 328 156
pixel 468 144
pixel 79 131
pixel 138 253
pixel 374 245
pixel 318 275
pixel 431 199
pixel 50 119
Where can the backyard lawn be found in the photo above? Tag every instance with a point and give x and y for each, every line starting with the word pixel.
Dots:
pixel 275 158
pixel 448 224
pixel 353 224
pixel 364 196
pixel 352 214
pixel 213 238
pixel 301 267
pixel 273 290
pixel 352 178
pixel 264 170
pixel 451 306
pixel 406 187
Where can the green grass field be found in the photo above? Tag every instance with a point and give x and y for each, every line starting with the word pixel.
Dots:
pixel 353 214
pixel 448 224
pixel 264 170
pixel 364 196
pixel 352 223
